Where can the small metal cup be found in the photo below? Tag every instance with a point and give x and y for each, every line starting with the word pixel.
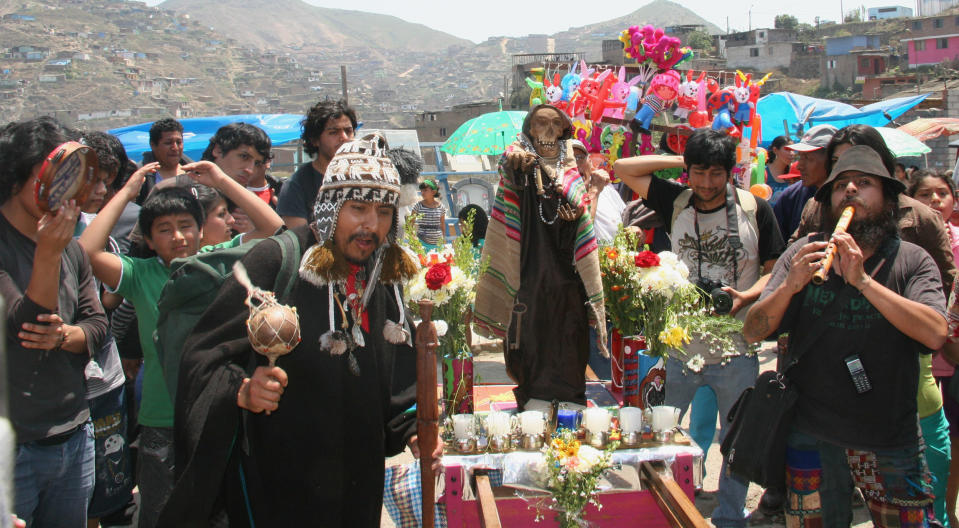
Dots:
pixel 598 439
pixel 499 444
pixel 631 439
pixel 482 444
pixel 528 441
pixel 664 436
pixel 466 445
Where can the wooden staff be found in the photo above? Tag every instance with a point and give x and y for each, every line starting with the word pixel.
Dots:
pixel 820 276
pixel 427 411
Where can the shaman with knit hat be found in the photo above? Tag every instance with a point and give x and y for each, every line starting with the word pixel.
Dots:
pixel 336 404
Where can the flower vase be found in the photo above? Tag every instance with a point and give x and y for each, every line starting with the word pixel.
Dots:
pixel 616 360
pixel 644 378
pixel 631 351
pixel 458 384
pixel 568 519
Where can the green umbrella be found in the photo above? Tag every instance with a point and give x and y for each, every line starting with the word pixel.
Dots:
pixel 487 134
pixel 902 144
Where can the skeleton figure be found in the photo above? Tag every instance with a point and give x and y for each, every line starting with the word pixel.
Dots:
pixel 543 149
pixel 536 252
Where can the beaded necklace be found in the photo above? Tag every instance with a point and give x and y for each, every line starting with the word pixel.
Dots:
pixel 546 192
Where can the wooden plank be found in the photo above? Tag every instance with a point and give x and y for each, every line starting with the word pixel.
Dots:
pixel 679 511
pixel 489 515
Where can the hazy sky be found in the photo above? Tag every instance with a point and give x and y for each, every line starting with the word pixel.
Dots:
pixel 478 20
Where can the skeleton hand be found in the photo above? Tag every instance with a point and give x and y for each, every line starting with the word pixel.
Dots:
pixel 520 161
pixel 569 213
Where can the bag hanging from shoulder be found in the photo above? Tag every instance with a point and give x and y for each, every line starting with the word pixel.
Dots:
pixel 755 444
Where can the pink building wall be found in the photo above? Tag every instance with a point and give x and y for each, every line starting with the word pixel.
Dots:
pixel 931 55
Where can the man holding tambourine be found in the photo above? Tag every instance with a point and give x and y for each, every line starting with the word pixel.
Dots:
pixel 54 319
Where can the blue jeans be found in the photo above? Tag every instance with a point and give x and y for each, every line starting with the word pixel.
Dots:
pixel 53 483
pixel 728 382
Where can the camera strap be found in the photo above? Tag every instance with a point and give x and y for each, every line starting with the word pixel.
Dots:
pixel 733 242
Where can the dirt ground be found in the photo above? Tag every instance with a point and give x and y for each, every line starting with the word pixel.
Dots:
pixel 488 366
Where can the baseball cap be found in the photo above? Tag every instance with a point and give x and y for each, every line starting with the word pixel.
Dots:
pixel 792 173
pixel 815 138
pixel 863 159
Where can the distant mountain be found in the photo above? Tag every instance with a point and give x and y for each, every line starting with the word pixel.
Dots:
pixel 290 23
pixel 659 13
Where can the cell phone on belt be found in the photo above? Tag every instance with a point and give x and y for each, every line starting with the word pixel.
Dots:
pixel 858 374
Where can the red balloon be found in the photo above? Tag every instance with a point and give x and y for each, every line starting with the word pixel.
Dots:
pixel 699 119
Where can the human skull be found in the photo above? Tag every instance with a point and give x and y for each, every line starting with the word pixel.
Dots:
pixel 546 127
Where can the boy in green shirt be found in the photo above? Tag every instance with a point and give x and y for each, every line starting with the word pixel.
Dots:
pixel 171 221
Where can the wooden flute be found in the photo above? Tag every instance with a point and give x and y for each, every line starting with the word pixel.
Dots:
pixel 820 276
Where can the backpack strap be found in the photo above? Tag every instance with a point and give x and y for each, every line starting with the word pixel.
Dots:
pixel 748 202
pixel 680 203
pixel 290 251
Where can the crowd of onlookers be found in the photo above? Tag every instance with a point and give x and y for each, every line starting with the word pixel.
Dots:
pixel 93 415
pixel 81 286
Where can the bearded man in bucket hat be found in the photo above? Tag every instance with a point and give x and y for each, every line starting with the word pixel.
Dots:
pixel 857 337
pixel 337 404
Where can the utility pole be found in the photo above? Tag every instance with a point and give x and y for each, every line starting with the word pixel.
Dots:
pixel 343 84
pixel 750 17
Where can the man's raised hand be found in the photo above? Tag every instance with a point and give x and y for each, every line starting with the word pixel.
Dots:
pixel 805 263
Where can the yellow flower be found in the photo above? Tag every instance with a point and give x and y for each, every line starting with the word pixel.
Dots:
pixel 564 449
pixel 674 337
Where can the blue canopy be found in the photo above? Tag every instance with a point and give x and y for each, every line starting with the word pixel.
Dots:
pixel 776 107
pixel 282 128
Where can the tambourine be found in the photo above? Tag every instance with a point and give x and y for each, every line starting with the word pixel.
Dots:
pixel 68 173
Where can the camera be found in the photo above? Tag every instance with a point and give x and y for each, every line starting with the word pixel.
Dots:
pixel 712 291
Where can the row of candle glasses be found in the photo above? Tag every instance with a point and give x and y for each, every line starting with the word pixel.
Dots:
pixel 527 430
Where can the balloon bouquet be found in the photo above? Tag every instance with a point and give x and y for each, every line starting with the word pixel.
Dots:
pixel 598 101
pixel 700 102
pixel 588 97
pixel 735 111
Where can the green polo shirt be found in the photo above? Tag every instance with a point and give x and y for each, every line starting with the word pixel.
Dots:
pixel 141 283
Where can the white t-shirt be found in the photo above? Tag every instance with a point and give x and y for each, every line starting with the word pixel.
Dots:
pixel 609 214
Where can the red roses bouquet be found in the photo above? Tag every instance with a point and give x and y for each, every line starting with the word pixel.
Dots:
pixel 646 293
pixel 448 278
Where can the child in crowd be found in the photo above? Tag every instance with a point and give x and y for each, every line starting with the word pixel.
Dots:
pixel 218 195
pixel 170 220
pixel 430 216
pixel 936 190
pixel 113 486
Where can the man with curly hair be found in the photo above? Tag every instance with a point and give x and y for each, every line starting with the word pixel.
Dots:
pixel 327 126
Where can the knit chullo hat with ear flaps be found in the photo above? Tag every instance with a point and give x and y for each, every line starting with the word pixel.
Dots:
pixel 360 171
